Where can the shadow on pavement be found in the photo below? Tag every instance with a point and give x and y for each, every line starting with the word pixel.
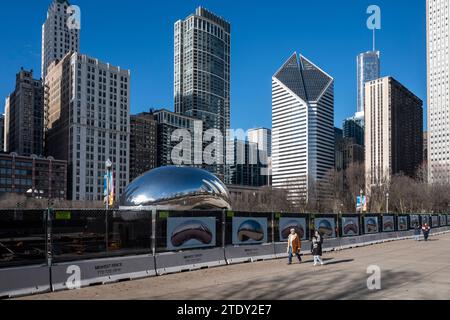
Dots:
pixel 338 261
pixel 312 284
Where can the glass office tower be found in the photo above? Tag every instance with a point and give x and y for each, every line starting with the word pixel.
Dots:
pixel 368 69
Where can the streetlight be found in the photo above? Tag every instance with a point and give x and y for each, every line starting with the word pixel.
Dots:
pixel 108 177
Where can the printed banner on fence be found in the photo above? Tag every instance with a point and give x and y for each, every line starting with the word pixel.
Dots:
pixel 402 223
pixel 388 223
pixel 190 233
pixel 350 226
pixel 286 224
pixel 370 225
pixel 326 227
pixel 249 230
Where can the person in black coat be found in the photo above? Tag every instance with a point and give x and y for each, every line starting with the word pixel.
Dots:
pixel 426 231
pixel 316 248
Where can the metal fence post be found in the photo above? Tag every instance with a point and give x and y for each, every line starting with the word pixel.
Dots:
pixel 106 230
pixel 273 227
pixel 224 224
pixel 153 237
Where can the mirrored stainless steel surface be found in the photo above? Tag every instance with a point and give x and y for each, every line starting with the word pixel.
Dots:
pixel 177 188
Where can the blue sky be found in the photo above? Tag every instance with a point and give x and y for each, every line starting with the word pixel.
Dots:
pixel 139 35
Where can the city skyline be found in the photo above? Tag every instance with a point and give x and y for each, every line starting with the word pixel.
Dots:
pixel 154 68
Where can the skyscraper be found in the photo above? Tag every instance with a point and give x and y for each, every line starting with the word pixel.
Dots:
pixel 202 71
pixel 87 122
pixel 352 128
pixel 368 69
pixel 168 123
pixel 24 116
pixel 263 138
pixel 143 144
pixel 394 131
pixel 247 167
pixel 57 38
pixel 303 126
pixel 2 132
pixel 438 60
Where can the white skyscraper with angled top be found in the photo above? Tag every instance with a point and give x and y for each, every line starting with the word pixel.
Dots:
pixel 303 127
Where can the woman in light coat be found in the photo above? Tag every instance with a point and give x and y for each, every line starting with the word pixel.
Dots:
pixel 294 246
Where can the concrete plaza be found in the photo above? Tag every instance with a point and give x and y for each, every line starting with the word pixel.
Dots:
pixel 409 270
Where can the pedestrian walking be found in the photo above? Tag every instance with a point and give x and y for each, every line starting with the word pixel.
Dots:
pixel 417 231
pixel 316 248
pixel 294 246
pixel 426 231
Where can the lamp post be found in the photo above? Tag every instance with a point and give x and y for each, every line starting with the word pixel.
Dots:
pixel 108 166
pixel 361 199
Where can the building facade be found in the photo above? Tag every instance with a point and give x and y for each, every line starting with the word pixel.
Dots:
pixel 24 116
pixel 202 72
pixel 394 131
pixel 143 144
pixel 438 74
pixel 33 176
pixel 352 153
pixel 303 148
pixel 248 169
pixel 263 138
pixel 168 123
pixel 2 133
pixel 338 149
pixel 88 122
pixel 368 69
pixel 57 38
pixel 353 129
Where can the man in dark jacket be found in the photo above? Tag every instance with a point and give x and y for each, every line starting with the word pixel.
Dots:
pixel 316 248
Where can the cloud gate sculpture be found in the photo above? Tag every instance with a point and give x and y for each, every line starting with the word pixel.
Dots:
pixel 177 188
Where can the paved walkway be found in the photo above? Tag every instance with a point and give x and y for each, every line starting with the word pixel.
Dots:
pixel 409 270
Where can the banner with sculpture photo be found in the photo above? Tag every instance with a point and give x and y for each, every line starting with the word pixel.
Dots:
pixel 415 219
pixel 190 233
pixel 371 225
pixel 388 223
pixel 350 226
pixel 286 224
pixel 248 230
pixel 402 223
pixel 443 220
pixel 326 227
pixel 435 221
pixel 425 219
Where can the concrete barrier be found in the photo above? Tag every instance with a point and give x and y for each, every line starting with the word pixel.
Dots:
pixel 21 281
pixel 172 262
pixel 72 275
pixel 250 253
pixel 331 244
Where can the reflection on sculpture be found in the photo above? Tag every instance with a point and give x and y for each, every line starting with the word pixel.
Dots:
pixel 177 188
